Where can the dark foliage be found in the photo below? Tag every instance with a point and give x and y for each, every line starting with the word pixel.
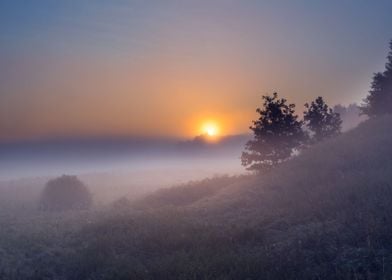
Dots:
pixel 277 133
pixel 379 100
pixel 65 193
pixel 321 120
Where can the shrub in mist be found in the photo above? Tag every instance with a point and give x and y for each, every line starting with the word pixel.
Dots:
pixel 65 193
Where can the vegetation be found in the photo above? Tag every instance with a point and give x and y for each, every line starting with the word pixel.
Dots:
pixel 379 100
pixel 322 215
pixel 325 214
pixel 276 133
pixel 65 193
pixel 184 194
pixel 321 120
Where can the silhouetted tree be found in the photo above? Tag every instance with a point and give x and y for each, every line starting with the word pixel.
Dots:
pixel 65 193
pixel 321 120
pixel 379 100
pixel 277 133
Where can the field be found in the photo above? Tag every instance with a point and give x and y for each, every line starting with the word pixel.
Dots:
pixel 325 214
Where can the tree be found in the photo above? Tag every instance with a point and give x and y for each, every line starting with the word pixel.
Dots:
pixel 277 133
pixel 321 120
pixel 65 193
pixel 379 100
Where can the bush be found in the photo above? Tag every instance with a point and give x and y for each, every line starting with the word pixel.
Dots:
pixel 65 193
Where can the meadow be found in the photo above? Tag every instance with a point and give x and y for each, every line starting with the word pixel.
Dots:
pixel 325 214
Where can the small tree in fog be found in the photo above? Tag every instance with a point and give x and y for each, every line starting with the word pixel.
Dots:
pixel 277 132
pixel 379 100
pixel 65 193
pixel 321 120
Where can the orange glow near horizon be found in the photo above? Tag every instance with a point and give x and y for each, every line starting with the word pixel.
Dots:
pixel 216 124
pixel 210 128
pixel 164 70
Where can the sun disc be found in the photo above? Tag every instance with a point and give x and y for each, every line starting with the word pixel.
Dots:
pixel 210 129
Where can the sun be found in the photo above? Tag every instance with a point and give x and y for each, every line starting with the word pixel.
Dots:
pixel 211 129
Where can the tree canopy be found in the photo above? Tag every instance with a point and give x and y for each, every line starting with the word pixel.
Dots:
pixel 321 120
pixel 379 100
pixel 277 132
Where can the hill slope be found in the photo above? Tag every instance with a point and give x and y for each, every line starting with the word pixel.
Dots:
pixel 354 169
pixel 325 214
pixel 348 170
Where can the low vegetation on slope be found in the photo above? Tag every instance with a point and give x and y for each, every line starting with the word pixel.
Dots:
pixel 323 215
pixel 354 169
pixel 185 194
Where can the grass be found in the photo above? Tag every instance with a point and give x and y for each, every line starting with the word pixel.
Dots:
pixel 323 215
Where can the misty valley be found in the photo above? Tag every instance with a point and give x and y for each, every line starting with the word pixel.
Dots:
pixel 195 140
pixel 244 226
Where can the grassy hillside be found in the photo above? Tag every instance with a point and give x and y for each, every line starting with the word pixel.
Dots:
pixel 354 169
pixel 348 170
pixel 323 215
pixel 326 214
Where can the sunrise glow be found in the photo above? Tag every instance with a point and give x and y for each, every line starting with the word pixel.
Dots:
pixel 210 128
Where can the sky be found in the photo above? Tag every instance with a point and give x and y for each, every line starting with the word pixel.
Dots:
pixel 163 69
